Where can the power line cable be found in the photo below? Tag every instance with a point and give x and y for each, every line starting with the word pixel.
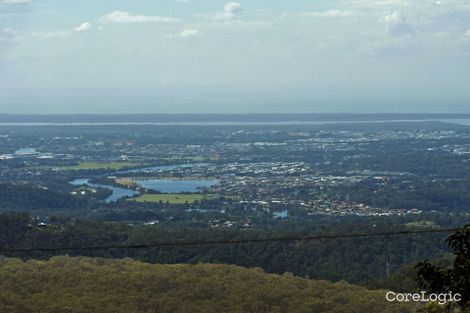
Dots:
pixel 233 241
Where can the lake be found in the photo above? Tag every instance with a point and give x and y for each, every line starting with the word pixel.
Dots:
pixel 281 214
pixel 26 151
pixel 161 185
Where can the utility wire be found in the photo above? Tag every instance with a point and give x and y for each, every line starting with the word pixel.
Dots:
pixel 232 241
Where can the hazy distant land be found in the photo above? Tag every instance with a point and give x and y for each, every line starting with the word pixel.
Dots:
pixel 227 118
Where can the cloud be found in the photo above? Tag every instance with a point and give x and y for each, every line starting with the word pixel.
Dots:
pixel 387 3
pixel 467 33
pixel 231 11
pixel 190 33
pixel 5 36
pixel 84 27
pixel 15 2
pixel 8 36
pixel 186 34
pixel 397 24
pixel 233 8
pixel 326 14
pixel 49 35
pixel 8 7
pixel 126 17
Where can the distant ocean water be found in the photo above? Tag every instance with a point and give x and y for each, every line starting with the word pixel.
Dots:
pixel 458 121
pixel 465 122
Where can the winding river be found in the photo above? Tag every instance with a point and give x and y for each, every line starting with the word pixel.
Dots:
pixel 161 185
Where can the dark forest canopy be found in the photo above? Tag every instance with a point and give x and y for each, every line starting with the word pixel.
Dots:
pixel 361 260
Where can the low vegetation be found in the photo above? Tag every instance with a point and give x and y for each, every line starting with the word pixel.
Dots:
pixel 77 285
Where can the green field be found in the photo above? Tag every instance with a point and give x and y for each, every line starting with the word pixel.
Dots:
pixel 422 224
pixel 101 165
pixel 173 198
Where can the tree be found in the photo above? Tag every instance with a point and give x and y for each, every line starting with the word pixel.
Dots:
pixel 456 279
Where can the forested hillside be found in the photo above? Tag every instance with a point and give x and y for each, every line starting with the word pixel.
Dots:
pixel 65 284
pixel 357 260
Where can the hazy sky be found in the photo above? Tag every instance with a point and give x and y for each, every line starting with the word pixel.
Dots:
pixel 186 56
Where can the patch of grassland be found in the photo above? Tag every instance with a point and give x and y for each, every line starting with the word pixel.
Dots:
pixel 126 182
pixel 422 224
